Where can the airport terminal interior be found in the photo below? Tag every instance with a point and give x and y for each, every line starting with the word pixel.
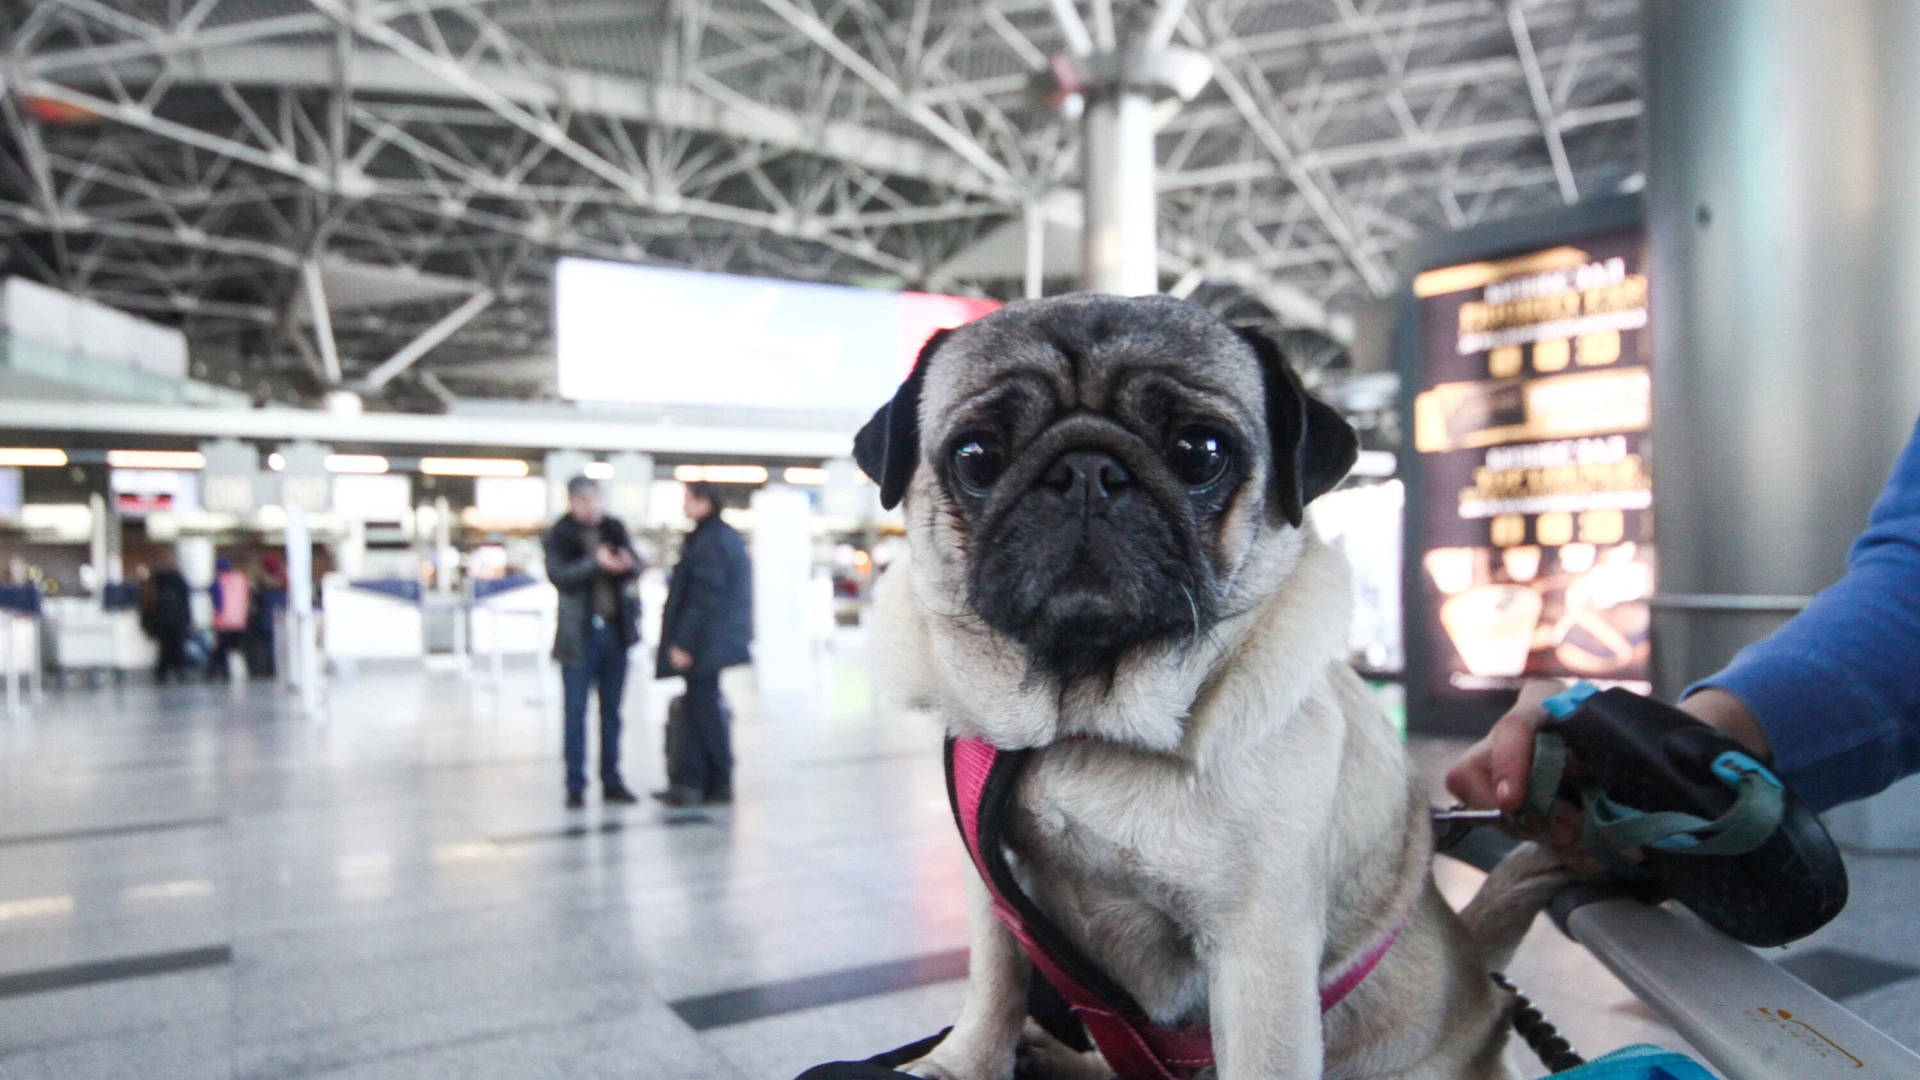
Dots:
pixel 326 326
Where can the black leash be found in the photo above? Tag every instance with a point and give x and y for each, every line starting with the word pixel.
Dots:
pixel 1456 833
pixel 1541 1036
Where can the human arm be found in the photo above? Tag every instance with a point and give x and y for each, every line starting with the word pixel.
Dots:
pixel 617 557
pixel 1837 689
pixel 565 571
pixel 703 586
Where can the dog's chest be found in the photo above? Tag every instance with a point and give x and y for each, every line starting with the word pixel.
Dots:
pixel 1106 878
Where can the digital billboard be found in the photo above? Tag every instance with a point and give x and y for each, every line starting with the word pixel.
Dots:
pixel 1533 539
pixel 649 335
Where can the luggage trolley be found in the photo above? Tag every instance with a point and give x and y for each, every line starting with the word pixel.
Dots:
pixel 1707 855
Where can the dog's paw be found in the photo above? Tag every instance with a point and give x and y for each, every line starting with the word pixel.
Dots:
pixel 928 1068
pixel 950 1066
pixel 1042 1055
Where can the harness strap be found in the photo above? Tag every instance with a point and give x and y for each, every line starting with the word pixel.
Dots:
pixel 980 785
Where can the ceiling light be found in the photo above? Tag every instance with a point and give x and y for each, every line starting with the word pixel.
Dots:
pixel 156 459
pixel 720 474
pixel 277 461
pixel 31 456
pixel 800 474
pixel 356 463
pixel 456 466
pixel 598 470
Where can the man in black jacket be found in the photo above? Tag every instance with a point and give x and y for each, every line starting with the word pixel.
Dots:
pixel 591 560
pixel 706 627
pixel 167 616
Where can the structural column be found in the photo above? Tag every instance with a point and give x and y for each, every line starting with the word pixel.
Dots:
pixel 1783 205
pixel 1121 252
pixel 1117 83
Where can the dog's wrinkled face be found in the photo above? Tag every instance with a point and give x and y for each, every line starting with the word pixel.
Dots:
pixel 1098 468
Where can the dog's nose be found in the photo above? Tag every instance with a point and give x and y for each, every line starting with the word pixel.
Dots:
pixel 1091 476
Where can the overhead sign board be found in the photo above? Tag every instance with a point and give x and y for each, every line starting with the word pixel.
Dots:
pixel 648 335
pixel 230 482
pixel 138 492
pixel 305 482
pixel 1533 542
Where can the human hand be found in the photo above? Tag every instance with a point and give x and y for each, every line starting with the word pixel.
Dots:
pixel 613 560
pixel 1493 774
pixel 679 658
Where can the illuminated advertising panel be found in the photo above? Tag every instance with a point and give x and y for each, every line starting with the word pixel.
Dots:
pixel 648 335
pixel 1533 540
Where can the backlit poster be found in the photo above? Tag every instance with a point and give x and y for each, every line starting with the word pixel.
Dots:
pixel 1531 437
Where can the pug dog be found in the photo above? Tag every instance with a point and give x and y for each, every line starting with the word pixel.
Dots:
pixel 1109 562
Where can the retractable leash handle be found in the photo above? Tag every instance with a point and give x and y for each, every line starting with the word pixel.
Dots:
pixel 1675 809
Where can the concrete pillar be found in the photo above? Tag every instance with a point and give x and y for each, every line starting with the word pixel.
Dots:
pixel 1783 209
pixel 1118 86
pixel 1036 253
pixel 1121 252
pixel 196 556
pixel 98 540
pixel 445 556
pixel 782 564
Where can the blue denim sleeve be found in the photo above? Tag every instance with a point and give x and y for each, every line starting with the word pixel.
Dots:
pixel 1838 687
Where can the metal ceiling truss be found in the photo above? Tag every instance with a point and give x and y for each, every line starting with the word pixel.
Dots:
pixel 204 160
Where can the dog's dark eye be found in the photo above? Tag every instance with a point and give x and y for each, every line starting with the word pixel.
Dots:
pixel 1198 456
pixel 977 464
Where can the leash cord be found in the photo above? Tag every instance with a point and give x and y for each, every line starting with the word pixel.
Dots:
pixel 1540 1035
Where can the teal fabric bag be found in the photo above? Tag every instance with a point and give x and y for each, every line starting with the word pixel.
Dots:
pixel 1640 1062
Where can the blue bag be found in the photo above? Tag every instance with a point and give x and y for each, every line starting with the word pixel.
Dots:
pixel 1639 1062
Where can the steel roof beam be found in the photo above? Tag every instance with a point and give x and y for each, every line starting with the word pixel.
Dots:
pixel 960 142
pixel 1340 157
pixel 379 377
pixel 581 92
pixel 190 36
pixel 1325 207
pixel 1542 103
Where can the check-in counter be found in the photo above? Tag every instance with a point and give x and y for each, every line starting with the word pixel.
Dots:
pixel 81 635
pixel 376 619
pixel 512 616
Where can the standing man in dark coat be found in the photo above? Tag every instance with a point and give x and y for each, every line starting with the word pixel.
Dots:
pixel 167 616
pixel 590 559
pixel 706 627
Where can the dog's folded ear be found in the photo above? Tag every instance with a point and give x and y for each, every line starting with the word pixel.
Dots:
pixel 888 448
pixel 1313 445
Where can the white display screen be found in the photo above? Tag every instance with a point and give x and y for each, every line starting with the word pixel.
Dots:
pixel 646 335
pixel 510 498
pixel 383 498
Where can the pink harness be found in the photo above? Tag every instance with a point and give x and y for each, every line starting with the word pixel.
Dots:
pixel 981 781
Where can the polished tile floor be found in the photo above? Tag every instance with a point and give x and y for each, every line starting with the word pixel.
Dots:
pixel 200 882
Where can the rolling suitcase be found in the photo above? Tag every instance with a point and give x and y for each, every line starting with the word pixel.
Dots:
pixel 679 741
